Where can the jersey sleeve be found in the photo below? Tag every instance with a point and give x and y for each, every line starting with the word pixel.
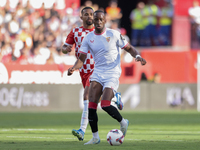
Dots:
pixel 70 38
pixel 84 46
pixel 132 15
pixel 121 41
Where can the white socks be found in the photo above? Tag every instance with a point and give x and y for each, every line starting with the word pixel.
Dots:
pixel 84 118
pixel 123 122
pixel 96 135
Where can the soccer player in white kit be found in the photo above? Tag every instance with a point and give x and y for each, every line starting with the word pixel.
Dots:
pixel 75 37
pixel 104 45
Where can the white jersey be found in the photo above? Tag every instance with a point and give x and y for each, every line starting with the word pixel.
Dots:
pixel 105 49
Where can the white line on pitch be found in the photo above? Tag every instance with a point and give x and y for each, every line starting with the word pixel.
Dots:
pixel 29 137
pixel 32 129
pixel 179 131
pixel 36 137
pixel 148 140
pixel 154 140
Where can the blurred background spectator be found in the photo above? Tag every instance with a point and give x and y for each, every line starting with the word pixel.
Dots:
pixel 165 22
pixel 114 12
pixel 156 78
pixel 151 15
pixel 137 25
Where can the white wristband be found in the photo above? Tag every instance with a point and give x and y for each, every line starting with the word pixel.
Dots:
pixel 137 56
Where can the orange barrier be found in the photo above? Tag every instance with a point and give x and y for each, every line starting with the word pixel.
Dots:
pixel 173 67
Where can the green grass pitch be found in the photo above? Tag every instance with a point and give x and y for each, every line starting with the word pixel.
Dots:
pixel 178 130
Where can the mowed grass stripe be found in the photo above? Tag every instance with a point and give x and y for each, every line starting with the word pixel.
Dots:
pixel 147 130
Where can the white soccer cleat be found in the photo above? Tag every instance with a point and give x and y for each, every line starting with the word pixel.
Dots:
pixel 125 127
pixel 93 141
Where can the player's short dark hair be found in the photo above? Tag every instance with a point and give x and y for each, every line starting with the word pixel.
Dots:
pixel 99 11
pixel 86 8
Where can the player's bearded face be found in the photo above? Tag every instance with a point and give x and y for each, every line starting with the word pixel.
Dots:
pixel 88 16
pixel 89 21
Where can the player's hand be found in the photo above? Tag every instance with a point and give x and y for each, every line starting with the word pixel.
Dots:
pixel 66 48
pixel 70 71
pixel 142 60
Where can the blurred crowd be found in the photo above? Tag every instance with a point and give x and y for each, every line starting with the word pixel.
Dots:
pixel 35 36
pixel 151 25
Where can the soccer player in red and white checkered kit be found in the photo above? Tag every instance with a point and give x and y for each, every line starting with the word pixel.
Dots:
pixel 75 37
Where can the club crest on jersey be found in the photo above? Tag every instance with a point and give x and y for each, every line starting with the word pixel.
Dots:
pixel 108 39
pixel 92 41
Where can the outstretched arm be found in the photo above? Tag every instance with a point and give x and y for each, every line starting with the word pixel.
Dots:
pixel 130 49
pixel 78 64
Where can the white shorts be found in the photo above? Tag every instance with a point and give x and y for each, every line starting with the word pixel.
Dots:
pixel 107 80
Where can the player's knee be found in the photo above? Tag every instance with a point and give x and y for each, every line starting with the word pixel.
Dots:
pixel 105 103
pixel 86 94
pixel 85 97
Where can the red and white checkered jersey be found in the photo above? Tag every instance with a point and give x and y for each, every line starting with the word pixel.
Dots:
pixel 76 36
pixel 106 53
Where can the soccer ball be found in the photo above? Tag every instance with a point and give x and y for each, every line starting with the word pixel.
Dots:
pixel 115 137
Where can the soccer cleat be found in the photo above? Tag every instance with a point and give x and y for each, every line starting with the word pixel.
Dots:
pixel 124 128
pixel 118 102
pixel 79 134
pixel 93 141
